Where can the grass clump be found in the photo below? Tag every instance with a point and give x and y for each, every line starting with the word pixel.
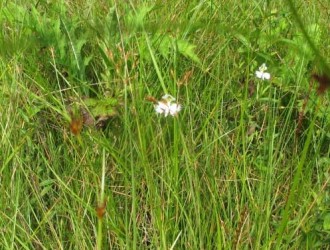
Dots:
pixel 87 163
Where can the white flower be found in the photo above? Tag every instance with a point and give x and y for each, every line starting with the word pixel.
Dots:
pixel 261 72
pixel 162 108
pixel 175 109
pixel 167 106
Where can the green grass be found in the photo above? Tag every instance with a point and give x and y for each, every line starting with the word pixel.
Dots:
pixel 236 169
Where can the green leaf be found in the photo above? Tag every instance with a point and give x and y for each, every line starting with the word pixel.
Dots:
pixel 165 46
pixel 187 49
pixel 326 222
pixel 102 107
pixel 135 19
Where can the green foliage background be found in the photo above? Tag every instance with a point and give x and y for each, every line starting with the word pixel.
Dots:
pixel 235 168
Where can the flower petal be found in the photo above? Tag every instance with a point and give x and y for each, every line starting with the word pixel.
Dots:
pixel 168 98
pixel 158 109
pixel 161 108
pixel 263 67
pixel 259 74
pixel 263 75
pixel 266 76
pixel 174 108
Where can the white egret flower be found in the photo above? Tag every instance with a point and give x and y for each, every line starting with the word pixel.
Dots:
pixel 261 73
pixel 167 105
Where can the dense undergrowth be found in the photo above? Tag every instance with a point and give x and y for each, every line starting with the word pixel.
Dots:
pixel 87 163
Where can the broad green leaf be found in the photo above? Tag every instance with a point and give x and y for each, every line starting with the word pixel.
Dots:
pixel 102 107
pixel 187 49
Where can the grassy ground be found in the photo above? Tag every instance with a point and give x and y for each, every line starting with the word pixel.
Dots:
pixel 244 165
